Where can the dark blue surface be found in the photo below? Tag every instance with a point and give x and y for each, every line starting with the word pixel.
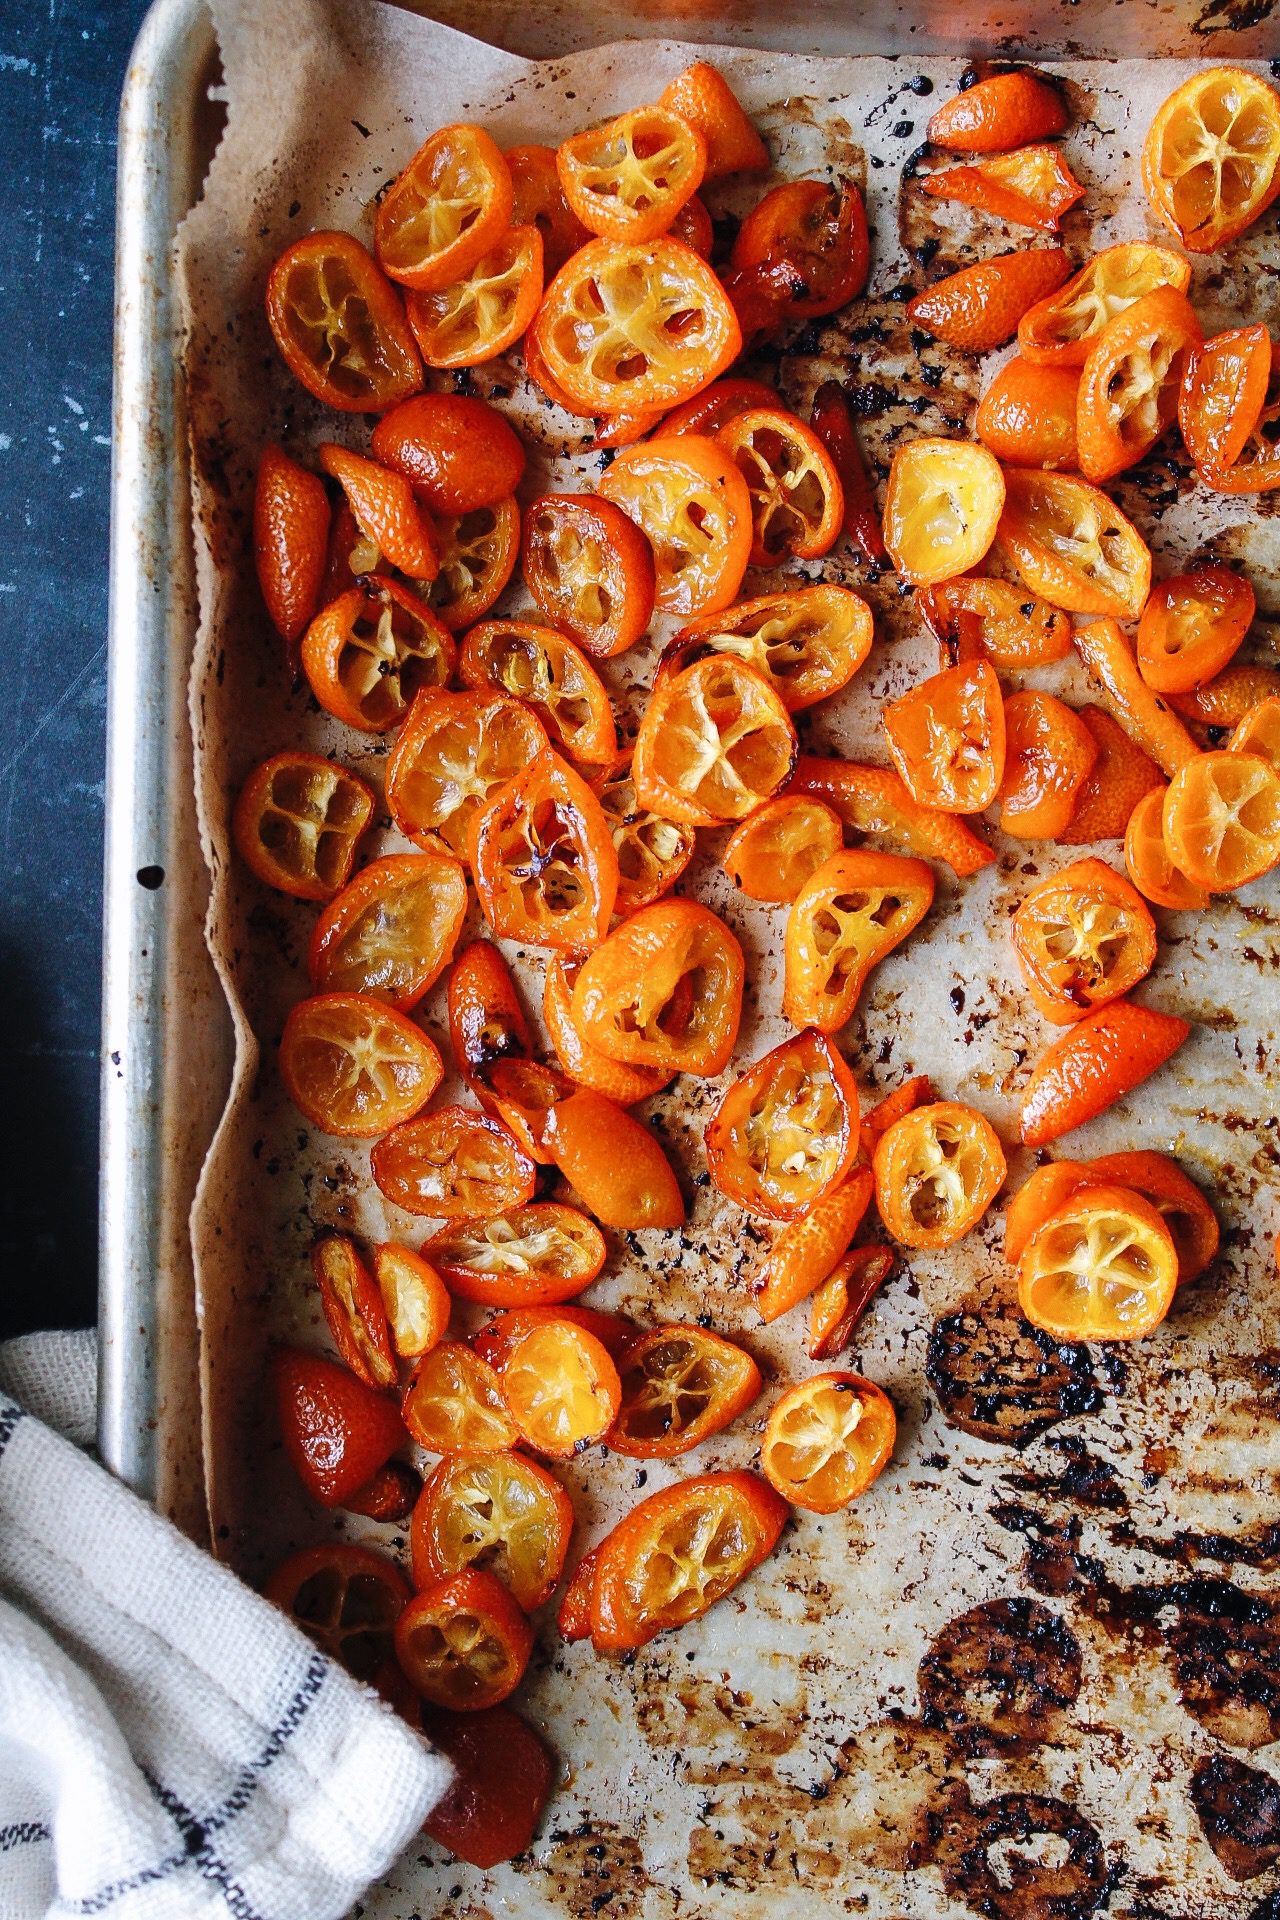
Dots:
pixel 61 70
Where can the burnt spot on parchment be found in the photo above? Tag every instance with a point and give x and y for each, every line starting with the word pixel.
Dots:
pixel 1221 1642
pixel 1000 1378
pixel 1023 1856
pixel 1082 1478
pixel 999 1678
pixel 1239 1810
pixel 596 1868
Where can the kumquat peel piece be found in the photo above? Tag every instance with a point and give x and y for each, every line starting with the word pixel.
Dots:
pixel 1094 1063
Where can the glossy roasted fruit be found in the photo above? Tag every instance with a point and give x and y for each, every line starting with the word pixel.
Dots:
pixel 1103 1267
pixel 1093 1064
pixel 937 1170
pixel 1211 159
pixel 1003 111
pixel 1060 329
pixel 786 1131
pixel 942 508
pixel 827 1439
pixel 853 910
pixel 1083 936
pixel 680 1385
pixel 947 738
pixel 1192 625
pixel 677 1553
pixel 980 307
pixel 1027 416
pixel 337 1431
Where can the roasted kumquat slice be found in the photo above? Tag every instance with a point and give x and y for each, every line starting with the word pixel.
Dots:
pixel 298 821
pixel 451 757
pixel 346 1598
pixel 827 1439
pixel 1121 776
pixel 353 1309
pixel 688 498
pixel 451 203
pixel 415 1298
pixel 704 99
pixel 1027 416
pixel 1060 329
pixel 1179 1202
pixel 628 179
pixel 677 1553
pixel 385 509
pixel 1227 699
pixel 463 1643
pixel 853 910
pixel 478 552
pixel 1221 819
pixel 590 569
pixel 1103 1267
pixel 1130 381
pixel 391 931
pixel 1072 545
pixel 652 851
pixel 545 867
pixel 807 642
pixel 582 1062
pixel 1049 754
pixel 680 1385
pixel 714 741
pixel 1192 626
pixel 458 452
pixel 797 502
pixel 937 1170
pixel 370 650
pixel 663 991
pixel 942 508
pixel 719 403
pixel 876 800
pixel 786 1131
pixel 1211 158
pixel 975 618
pixel 843 1298
pixel 947 738
pixel 615 1165
pixel 453 1403
pixel 626 326
pixel 1149 862
pixel 805 1251
pixel 290 541
pixel 525 1256
pixel 503 1777
pixel 1082 937
pixel 1141 712
pixel 548 673
pixel 780 846
pixel 481 315
pixel 355 1067
pixel 1030 187
pixel 340 325
pixel 496 1511
pixel 980 306
pixel 560 1387
pixel 452 1164
pixel 1003 111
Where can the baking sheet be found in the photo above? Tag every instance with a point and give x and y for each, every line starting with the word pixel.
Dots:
pixel 773 1757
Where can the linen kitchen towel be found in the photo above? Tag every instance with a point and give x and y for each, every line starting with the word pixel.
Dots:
pixel 170 1744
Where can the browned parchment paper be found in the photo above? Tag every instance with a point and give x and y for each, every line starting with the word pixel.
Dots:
pixel 773 1759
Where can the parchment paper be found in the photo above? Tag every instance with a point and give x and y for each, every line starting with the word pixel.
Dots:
pixel 771 1758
